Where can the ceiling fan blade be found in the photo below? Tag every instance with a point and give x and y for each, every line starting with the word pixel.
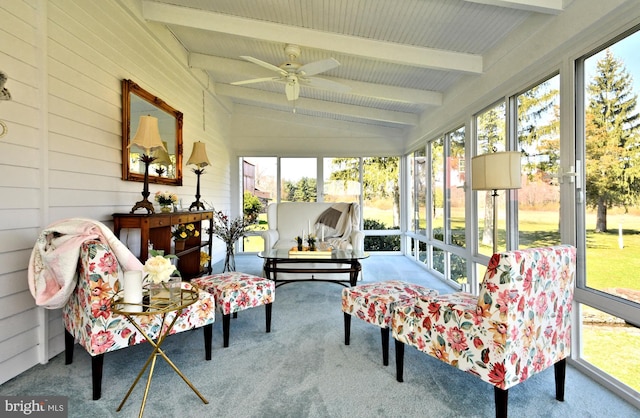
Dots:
pixel 264 64
pixel 292 90
pixel 255 80
pixel 318 67
pixel 323 83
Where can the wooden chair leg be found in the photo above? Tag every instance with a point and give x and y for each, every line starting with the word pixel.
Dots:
pixel 384 333
pixel 347 328
pixel 208 336
pixel 399 360
pixel 96 375
pixel 560 369
pixel 226 322
pixel 235 315
pixel 69 342
pixel 267 311
pixel 501 397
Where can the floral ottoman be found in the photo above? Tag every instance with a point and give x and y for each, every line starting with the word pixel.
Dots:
pixel 374 303
pixel 235 292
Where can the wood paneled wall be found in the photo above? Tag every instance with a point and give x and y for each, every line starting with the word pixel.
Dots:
pixel 62 155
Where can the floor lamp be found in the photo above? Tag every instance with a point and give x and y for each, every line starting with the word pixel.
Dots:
pixel 148 138
pixel 496 171
pixel 199 159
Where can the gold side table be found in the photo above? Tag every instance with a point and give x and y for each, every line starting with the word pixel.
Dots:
pixel 186 298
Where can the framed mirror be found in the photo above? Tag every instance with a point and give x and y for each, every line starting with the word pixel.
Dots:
pixel 167 168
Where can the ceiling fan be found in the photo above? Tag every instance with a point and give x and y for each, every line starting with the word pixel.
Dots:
pixel 293 73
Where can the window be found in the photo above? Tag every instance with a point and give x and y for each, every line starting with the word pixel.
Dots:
pixel 381 203
pixel 609 213
pixel 298 180
pixel 491 137
pixel 454 189
pixel 341 182
pixel 258 190
pixel 538 129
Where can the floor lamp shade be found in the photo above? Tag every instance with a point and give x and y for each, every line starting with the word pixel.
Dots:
pixel 496 171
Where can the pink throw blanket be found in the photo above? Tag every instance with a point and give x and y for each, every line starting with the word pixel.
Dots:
pixel 54 259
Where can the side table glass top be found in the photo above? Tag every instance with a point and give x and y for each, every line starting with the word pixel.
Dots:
pixel 337 255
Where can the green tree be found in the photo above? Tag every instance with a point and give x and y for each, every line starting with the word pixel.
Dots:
pixel 252 206
pixel 613 159
pixel 305 190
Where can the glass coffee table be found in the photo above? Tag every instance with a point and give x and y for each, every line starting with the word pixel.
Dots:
pixel 337 261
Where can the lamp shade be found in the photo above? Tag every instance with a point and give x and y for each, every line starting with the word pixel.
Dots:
pixel 147 136
pixel 199 155
pixel 496 171
pixel 162 156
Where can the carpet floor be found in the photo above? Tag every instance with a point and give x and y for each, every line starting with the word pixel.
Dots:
pixel 303 369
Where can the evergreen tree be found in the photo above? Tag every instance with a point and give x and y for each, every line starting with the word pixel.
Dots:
pixel 613 153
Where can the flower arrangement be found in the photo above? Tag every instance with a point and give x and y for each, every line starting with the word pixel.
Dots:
pixel 229 231
pixel 204 258
pixel 166 198
pixel 159 268
pixel 184 231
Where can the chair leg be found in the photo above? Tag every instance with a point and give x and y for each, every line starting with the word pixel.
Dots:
pixel 69 342
pixel 267 311
pixel 96 373
pixel 235 315
pixel 384 333
pixel 208 336
pixel 560 369
pixel 399 360
pixel 347 328
pixel 501 397
pixel 226 322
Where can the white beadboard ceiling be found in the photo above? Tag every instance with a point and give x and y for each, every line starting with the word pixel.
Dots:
pixel 398 57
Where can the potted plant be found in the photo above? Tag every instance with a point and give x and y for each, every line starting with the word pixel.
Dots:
pixel 181 233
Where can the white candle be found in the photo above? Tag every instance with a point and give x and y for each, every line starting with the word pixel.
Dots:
pixel 322 233
pixel 132 284
pixel 309 222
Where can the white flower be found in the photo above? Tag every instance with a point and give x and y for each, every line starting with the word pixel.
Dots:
pixel 159 269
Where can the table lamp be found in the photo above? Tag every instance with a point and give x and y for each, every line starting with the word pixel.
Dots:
pixel 199 159
pixel 148 138
pixel 496 171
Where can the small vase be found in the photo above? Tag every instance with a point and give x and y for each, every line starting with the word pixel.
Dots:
pixel 299 244
pixel 165 209
pixel 165 293
pixel 229 260
pixel 180 244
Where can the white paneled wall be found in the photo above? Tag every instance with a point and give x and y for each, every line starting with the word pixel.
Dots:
pixel 62 155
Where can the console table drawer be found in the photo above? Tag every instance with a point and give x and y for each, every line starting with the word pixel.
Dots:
pixel 156 222
pixel 183 218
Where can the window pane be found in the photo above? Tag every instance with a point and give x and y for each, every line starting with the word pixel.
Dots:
pixel 612 169
pixel 600 334
pixel 539 139
pixel 491 137
pixel 437 188
pixel 298 180
pixel 341 181
pixel 455 187
pixel 259 188
pixel 381 193
pixel 419 214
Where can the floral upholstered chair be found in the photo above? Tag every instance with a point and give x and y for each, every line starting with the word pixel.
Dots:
pixel 89 321
pixel 519 325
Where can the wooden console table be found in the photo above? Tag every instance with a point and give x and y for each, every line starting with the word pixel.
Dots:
pixel 156 228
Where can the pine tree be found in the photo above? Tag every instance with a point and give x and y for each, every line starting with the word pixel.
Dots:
pixel 613 152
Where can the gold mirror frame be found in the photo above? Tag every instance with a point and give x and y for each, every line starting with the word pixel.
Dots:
pixel 136 102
